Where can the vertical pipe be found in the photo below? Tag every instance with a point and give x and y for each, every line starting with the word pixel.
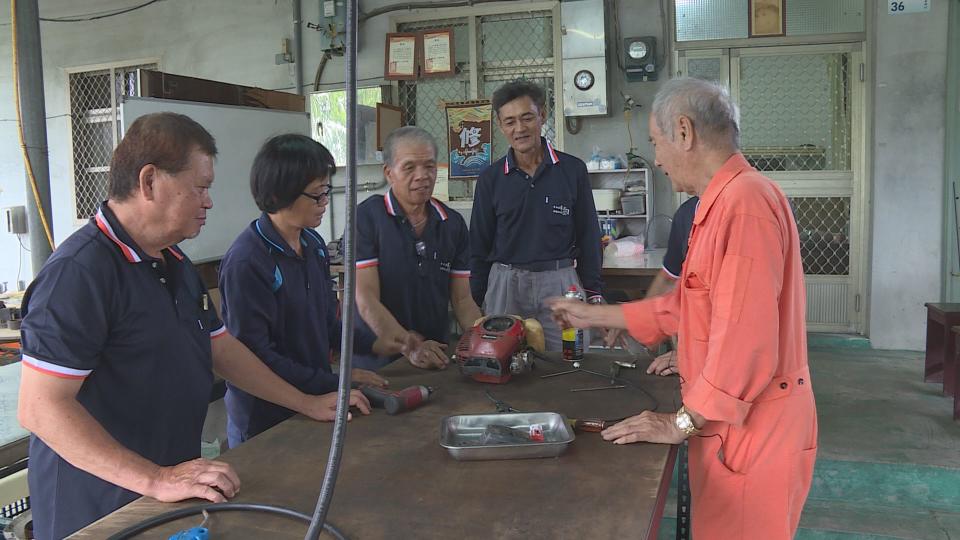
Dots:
pixel 349 290
pixel 34 126
pixel 298 46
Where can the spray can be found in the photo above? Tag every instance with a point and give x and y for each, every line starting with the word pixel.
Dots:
pixel 573 337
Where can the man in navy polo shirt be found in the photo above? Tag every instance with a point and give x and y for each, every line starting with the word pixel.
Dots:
pixel 120 341
pixel 534 230
pixel 412 256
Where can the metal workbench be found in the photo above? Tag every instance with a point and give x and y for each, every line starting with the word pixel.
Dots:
pixel 397 482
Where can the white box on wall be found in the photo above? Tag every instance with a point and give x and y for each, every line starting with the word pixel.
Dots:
pixel 15 218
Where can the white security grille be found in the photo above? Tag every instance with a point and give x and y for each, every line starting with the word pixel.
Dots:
pixel 796 111
pixel 511 46
pixel 824 227
pixel 95 129
pixel 517 46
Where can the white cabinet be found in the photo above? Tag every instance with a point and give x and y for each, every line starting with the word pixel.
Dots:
pixel 632 204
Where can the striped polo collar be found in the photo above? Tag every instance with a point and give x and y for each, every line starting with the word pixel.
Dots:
pixel 394 208
pixel 509 161
pixel 110 226
pixel 270 236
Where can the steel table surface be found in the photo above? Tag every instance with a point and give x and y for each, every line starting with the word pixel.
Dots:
pixel 396 481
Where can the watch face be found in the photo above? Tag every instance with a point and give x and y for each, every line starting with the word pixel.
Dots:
pixel 583 80
pixel 637 50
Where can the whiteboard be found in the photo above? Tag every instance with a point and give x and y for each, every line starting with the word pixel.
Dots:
pixel 239 132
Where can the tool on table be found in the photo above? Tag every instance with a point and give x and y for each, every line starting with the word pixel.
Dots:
pixel 502 406
pixel 592 388
pixel 498 347
pixel 590 425
pixel 199 532
pixel 397 401
pixel 615 369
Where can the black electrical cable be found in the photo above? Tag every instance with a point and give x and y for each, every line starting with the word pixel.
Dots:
pixel 349 288
pixel 156 521
pixel 104 16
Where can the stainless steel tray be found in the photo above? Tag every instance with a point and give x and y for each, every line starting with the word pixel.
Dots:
pixel 462 436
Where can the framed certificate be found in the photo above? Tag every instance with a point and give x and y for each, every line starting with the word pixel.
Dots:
pixel 437 51
pixel 400 56
pixel 767 18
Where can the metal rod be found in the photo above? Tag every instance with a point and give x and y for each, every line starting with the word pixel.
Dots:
pixel 557 374
pixel 298 46
pixel 592 388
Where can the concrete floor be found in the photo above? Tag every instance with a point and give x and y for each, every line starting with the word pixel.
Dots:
pixel 889 452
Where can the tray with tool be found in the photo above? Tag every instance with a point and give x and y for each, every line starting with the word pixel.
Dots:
pixel 514 435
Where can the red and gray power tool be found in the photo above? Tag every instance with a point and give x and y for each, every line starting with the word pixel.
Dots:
pixel 397 401
pixel 498 347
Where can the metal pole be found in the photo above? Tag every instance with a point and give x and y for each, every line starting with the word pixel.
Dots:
pixel 33 118
pixel 349 289
pixel 298 46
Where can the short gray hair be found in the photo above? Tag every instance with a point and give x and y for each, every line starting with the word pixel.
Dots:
pixel 708 105
pixel 412 134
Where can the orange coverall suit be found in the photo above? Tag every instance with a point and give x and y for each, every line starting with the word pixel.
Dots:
pixel 739 312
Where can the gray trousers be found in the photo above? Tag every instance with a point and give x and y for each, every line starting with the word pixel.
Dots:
pixel 511 291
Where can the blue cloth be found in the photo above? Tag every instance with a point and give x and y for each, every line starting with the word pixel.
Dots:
pixel 414 283
pixel 137 331
pixel 679 236
pixel 283 307
pixel 519 219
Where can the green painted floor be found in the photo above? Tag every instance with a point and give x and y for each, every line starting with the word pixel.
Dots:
pixel 889 459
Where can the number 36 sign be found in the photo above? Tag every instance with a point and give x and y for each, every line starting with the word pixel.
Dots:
pixel 897 7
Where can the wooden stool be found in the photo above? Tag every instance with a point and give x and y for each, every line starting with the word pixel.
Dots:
pixel 940 363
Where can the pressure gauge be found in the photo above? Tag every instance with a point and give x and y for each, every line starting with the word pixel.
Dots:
pixel 583 80
pixel 637 50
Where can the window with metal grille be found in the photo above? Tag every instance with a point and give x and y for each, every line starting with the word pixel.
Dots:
pixel 509 46
pixel 824 227
pixel 95 97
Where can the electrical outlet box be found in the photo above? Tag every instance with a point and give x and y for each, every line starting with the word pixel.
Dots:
pixel 333 25
pixel 15 218
pixel 583 41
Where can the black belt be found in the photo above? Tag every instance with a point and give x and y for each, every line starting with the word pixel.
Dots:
pixel 540 266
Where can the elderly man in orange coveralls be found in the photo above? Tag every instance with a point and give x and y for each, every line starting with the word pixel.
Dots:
pixel 739 311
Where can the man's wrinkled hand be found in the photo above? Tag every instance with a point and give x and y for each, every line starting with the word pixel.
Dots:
pixel 390 345
pixel 665 364
pixel 324 408
pixel 363 376
pixel 570 313
pixel 645 427
pixel 199 478
pixel 429 355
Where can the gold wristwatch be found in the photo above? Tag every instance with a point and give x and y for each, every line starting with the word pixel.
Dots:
pixel 684 422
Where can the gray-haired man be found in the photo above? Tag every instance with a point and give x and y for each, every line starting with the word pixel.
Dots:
pixel 412 255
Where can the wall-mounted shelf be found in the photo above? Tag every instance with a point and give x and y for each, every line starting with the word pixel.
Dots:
pixel 639 179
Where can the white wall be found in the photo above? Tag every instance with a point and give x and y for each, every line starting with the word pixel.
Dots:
pixel 909 127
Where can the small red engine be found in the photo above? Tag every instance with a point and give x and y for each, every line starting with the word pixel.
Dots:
pixel 497 347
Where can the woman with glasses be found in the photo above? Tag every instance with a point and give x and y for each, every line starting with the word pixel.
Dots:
pixel 278 297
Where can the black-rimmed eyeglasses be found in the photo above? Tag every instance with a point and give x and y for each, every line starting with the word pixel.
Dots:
pixel 319 198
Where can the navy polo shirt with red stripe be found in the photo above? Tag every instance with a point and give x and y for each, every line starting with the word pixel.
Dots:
pixel 523 219
pixel 415 273
pixel 137 331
